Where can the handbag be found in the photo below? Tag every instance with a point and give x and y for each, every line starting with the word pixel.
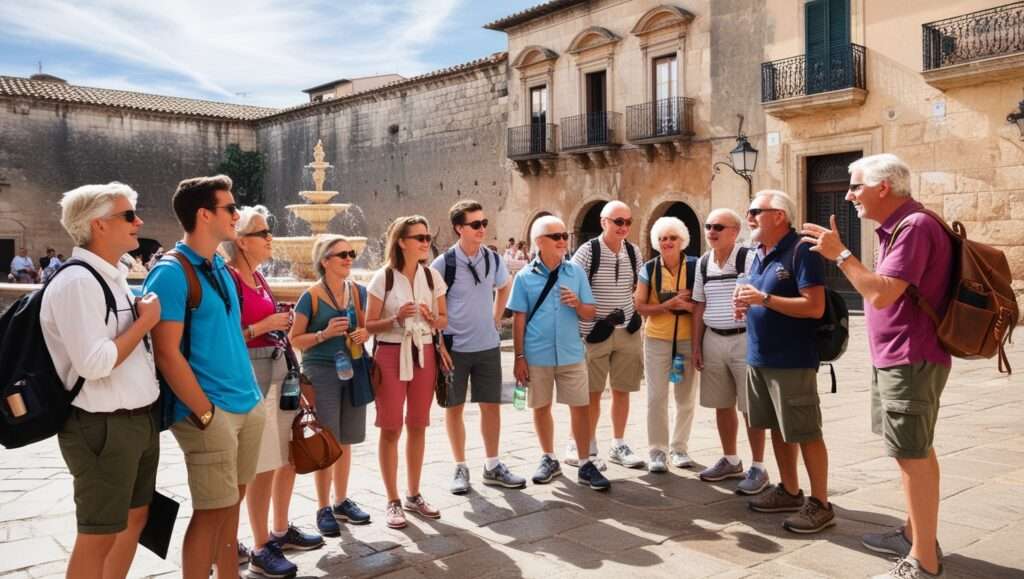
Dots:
pixel 443 379
pixel 312 447
pixel 363 387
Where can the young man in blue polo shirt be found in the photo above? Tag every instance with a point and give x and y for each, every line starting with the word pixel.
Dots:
pixel 219 420
pixel 549 297
pixel 782 299
pixel 473 273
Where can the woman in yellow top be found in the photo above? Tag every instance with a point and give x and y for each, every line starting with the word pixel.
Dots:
pixel 663 297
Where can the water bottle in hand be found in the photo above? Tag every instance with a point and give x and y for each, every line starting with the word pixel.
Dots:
pixel 678 368
pixel 290 391
pixel 519 396
pixel 343 364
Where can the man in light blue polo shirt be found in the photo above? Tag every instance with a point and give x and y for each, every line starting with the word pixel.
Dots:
pixel 472 273
pixel 549 297
pixel 218 418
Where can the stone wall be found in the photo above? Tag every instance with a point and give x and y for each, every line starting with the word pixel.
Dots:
pixel 48 148
pixel 414 148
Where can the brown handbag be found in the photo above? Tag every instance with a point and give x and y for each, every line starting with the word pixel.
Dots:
pixel 312 446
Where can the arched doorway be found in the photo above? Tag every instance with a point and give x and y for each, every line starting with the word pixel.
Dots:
pixel 588 224
pixel 684 213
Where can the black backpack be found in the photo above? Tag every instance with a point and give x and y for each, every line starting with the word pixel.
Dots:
pixel 449 266
pixel 833 330
pixel 595 260
pixel 741 265
pixel 28 371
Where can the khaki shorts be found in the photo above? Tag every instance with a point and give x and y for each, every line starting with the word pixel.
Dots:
pixel 113 460
pixel 723 381
pixel 785 399
pixel 905 406
pixel 222 457
pixel 570 382
pixel 620 357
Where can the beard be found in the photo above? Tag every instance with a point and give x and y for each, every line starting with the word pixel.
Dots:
pixel 755 234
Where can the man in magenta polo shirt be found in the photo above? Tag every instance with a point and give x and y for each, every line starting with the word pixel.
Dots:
pixel 910 365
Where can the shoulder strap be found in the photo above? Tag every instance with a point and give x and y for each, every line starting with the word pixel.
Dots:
pixel 552 278
pixel 741 262
pixel 704 265
pixel 108 295
pixel 650 266
pixel 389 282
pixel 691 270
pixel 632 261
pixel 358 301
pixel 595 259
pixel 430 280
pixel 658 275
pixel 496 258
pixel 912 291
pixel 449 268
pixel 195 290
pixel 238 283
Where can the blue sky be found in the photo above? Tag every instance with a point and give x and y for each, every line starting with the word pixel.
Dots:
pixel 261 52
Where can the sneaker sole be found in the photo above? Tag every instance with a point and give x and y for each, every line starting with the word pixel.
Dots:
pixel 262 573
pixel 817 529
pixel 760 490
pixel 620 463
pixel 592 487
pixel 461 492
pixel 544 481
pixel 397 526
pixel 293 547
pixel 721 478
pixel 657 470
pixel 498 483
pixel 329 533
pixel 421 513
pixel 774 509
pixel 883 550
pixel 344 519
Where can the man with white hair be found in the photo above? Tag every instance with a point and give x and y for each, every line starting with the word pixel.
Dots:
pixel 720 350
pixel 910 365
pixel 111 440
pixel 548 349
pixel 782 301
pixel 615 350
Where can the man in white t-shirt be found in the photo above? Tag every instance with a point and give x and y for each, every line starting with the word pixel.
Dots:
pixel 22 268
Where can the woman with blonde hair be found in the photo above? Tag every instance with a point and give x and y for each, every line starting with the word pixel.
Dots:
pixel 406 309
pixel 326 326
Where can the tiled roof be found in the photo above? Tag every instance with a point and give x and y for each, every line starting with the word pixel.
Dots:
pixel 531 13
pixel 61 92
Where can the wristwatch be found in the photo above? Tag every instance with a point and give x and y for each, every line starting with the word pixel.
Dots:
pixel 203 420
pixel 767 298
pixel 845 255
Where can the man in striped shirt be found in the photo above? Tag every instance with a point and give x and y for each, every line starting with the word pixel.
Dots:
pixel 720 352
pixel 614 346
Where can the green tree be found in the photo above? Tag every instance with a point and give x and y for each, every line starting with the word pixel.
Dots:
pixel 246 170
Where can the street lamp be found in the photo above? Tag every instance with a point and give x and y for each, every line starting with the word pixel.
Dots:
pixel 1017 117
pixel 742 160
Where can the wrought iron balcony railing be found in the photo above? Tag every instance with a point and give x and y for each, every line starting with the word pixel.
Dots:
pixel 983 34
pixel 809 74
pixel 590 130
pixel 660 119
pixel 533 140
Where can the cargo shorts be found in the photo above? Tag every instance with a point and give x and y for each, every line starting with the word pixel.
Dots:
pixel 619 360
pixel 905 407
pixel 785 399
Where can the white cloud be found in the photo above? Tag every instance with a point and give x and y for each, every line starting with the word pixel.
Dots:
pixel 269 49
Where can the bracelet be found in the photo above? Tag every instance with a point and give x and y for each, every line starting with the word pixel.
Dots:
pixel 250 333
pixel 518 356
pixel 319 336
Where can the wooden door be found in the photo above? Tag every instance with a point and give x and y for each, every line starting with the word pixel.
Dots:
pixel 827 182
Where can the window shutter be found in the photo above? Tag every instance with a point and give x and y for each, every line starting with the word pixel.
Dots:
pixel 816 42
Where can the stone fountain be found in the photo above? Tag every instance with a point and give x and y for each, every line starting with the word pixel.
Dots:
pixel 318 212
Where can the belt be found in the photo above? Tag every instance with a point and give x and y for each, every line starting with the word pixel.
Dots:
pixel 121 411
pixel 731 332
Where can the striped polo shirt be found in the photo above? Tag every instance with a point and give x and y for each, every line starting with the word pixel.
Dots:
pixel 717 293
pixel 612 285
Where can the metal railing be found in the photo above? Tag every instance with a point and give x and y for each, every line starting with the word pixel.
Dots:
pixel 590 130
pixel 661 118
pixel 983 34
pixel 807 75
pixel 536 139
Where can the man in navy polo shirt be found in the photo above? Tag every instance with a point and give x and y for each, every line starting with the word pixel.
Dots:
pixel 219 421
pixel 782 299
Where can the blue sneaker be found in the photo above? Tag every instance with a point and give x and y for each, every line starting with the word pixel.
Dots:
pixel 326 523
pixel 271 563
pixel 295 540
pixel 348 511
pixel 590 475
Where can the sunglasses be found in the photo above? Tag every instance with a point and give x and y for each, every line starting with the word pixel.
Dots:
pixel 854 187
pixel 422 238
pixel 717 227
pixel 557 236
pixel 755 211
pixel 669 238
pixel 264 233
pixel 128 216
pixel 621 222
pixel 343 254
pixel 477 224
pixel 231 208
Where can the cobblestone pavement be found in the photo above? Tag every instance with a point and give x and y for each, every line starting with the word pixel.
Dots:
pixel 668 525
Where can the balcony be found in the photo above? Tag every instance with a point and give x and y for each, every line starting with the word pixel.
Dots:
pixel 533 147
pixel 804 85
pixel 982 46
pixel 591 138
pixel 660 125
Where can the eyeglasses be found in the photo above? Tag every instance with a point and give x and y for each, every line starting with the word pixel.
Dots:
pixel 477 224
pixel 343 254
pixel 668 238
pixel 718 227
pixel 621 221
pixel 755 211
pixel 232 208
pixel 128 216
pixel 264 233
pixel 422 238
pixel 855 187
pixel 563 236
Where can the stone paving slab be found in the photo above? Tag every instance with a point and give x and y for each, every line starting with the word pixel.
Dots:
pixel 666 525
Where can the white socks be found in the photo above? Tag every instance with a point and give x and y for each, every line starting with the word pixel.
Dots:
pixel 759 465
pixel 491 462
pixel 733 459
pixel 617 442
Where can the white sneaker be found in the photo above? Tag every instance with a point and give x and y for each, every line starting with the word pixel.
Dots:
pixel 571 455
pixel 624 455
pixel 601 466
pixel 680 459
pixel 657 462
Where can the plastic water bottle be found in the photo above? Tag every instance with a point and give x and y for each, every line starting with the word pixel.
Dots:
pixel 678 367
pixel 519 396
pixel 343 364
pixel 290 392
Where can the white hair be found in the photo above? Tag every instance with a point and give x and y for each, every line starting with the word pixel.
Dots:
pixel 884 167
pixel 611 206
pixel 665 225
pixel 540 227
pixel 244 225
pixel 779 200
pixel 79 207
pixel 323 246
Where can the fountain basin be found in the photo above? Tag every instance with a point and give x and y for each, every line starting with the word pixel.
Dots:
pixel 318 197
pixel 318 216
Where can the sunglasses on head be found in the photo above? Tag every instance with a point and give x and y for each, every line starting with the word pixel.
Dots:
pixel 422 238
pixel 128 216
pixel 231 208
pixel 343 254
pixel 477 224
pixel 755 211
pixel 563 236
pixel 668 238
pixel 264 233
pixel 718 227
pixel 621 221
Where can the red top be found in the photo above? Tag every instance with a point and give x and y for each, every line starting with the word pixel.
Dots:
pixel 256 305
